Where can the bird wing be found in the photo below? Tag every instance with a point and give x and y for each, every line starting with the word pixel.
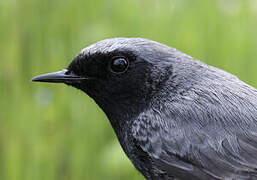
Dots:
pixel 194 143
pixel 234 157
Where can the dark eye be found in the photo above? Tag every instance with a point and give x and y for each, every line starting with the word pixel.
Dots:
pixel 119 65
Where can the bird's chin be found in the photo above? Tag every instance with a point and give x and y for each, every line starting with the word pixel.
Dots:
pixel 81 87
pixel 77 86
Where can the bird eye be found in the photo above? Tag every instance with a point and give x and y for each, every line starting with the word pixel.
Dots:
pixel 119 65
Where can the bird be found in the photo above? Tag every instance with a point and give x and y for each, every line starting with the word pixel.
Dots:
pixel 175 117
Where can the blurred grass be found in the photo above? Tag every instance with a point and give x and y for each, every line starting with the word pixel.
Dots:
pixel 51 132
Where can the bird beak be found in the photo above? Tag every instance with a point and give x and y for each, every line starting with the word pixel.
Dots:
pixel 63 76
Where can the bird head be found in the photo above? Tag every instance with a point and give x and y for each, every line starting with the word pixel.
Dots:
pixel 121 74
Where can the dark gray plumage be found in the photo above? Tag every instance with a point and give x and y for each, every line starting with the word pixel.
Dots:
pixel 175 117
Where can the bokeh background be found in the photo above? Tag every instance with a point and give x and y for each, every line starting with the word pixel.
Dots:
pixel 54 132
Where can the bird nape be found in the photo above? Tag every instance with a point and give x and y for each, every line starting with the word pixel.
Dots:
pixel 175 117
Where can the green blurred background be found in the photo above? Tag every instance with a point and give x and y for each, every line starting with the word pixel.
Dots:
pixel 54 132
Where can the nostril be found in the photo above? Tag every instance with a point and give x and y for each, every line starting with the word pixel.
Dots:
pixel 67 72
